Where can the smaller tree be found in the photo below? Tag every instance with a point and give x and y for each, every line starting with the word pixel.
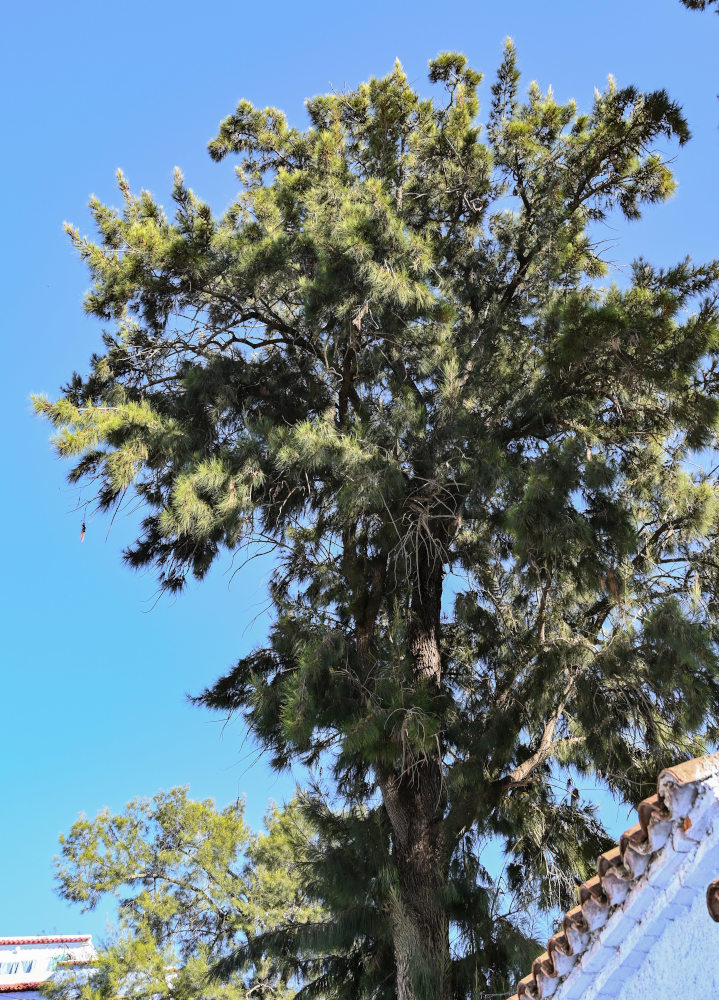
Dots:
pixel 192 882
pixel 701 4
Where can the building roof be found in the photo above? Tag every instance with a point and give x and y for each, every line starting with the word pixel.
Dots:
pixel 676 828
pixel 44 939
pixel 19 987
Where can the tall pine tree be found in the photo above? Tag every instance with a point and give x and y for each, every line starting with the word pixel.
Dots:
pixel 486 475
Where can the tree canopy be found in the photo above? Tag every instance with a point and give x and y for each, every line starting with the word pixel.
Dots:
pixel 485 470
pixel 191 882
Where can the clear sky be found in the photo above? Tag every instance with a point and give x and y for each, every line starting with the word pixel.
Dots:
pixel 94 673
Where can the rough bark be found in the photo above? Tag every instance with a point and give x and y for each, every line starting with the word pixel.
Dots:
pixel 420 928
pixel 414 800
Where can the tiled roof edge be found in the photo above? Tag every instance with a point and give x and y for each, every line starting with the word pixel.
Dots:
pixel 46 939
pixel 618 871
pixel 19 987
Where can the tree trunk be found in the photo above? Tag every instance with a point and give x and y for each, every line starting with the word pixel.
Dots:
pixel 419 923
pixel 414 800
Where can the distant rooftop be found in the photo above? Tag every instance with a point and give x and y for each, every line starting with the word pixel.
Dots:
pixel 28 960
pixel 45 939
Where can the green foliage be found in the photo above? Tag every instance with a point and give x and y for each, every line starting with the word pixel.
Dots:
pixel 191 882
pixel 486 471
pixel 701 4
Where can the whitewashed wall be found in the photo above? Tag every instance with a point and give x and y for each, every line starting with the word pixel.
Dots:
pixel 33 961
pixel 660 942
pixel 684 961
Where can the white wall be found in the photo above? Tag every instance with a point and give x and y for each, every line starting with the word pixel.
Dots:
pixel 23 962
pixel 684 960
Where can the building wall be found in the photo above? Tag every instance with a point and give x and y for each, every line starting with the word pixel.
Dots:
pixel 684 960
pixel 33 960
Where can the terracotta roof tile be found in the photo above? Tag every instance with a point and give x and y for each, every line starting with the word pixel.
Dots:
pixel 618 870
pixel 44 939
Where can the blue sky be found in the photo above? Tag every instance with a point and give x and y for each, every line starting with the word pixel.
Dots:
pixel 95 672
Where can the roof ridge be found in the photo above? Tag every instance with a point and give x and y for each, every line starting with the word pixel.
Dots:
pixel 690 771
pixel 45 939
pixel 618 871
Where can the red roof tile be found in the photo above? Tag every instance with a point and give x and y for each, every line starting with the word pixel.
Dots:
pixel 65 939
pixel 618 871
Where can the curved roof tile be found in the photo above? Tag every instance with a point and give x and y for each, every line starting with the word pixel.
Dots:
pixel 618 871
